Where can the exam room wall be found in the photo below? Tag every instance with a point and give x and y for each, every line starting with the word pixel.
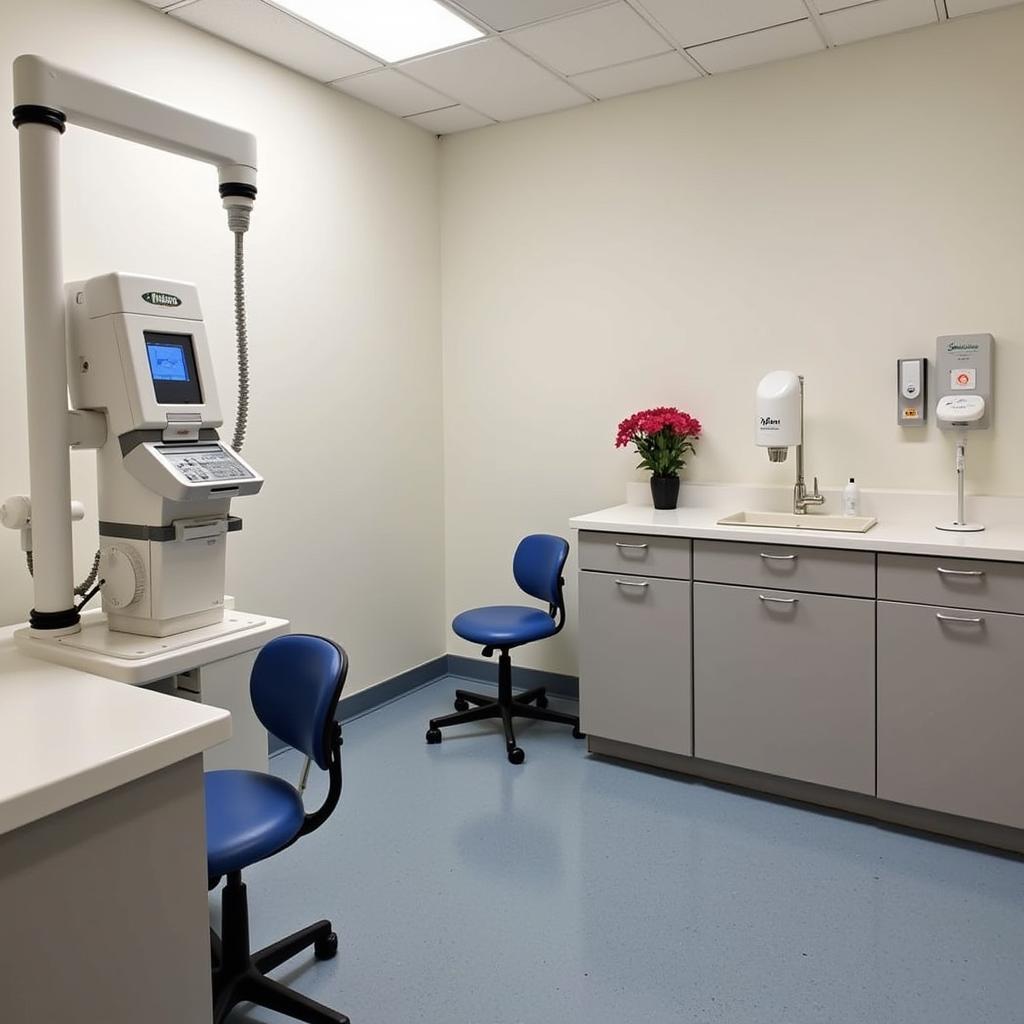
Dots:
pixel 343 285
pixel 828 214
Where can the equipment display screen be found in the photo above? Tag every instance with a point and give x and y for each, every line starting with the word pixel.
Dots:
pixel 167 362
pixel 172 365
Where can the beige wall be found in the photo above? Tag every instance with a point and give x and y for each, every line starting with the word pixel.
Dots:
pixel 828 214
pixel 343 283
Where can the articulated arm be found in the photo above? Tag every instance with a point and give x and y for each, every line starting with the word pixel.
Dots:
pixel 105 108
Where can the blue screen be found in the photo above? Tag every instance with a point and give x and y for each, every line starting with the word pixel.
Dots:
pixel 167 362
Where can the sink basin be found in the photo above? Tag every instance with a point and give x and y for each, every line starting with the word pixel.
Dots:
pixel 810 521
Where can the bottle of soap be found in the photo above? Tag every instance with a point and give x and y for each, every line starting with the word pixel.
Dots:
pixel 851 498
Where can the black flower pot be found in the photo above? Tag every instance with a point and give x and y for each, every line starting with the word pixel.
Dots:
pixel 665 491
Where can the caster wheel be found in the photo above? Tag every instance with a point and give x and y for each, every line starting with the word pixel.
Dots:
pixel 433 735
pixel 327 947
pixel 516 755
pixel 461 705
pixel 576 734
pixel 542 701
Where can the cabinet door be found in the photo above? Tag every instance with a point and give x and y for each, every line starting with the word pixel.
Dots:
pixel 784 683
pixel 635 660
pixel 951 711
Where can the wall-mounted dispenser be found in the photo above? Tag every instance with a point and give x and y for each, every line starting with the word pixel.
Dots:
pixel 963 366
pixel 912 392
pixel 779 413
pixel 964 385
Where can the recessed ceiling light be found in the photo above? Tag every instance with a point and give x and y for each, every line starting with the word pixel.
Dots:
pixel 390 29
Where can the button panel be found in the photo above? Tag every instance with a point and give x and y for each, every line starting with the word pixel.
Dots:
pixel 207 465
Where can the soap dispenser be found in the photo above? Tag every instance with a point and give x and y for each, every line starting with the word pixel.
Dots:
pixel 851 498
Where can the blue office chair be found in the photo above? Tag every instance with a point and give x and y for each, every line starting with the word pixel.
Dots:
pixel 295 687
pixel 537 568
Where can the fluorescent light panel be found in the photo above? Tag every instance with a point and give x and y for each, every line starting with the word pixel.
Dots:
pixel 390 29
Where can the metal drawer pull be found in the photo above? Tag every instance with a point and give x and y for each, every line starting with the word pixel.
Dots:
pixel 779 600
pixel 632 583
pixel 635 547
pixel 959 618
pixel 959 572
pixel 779 558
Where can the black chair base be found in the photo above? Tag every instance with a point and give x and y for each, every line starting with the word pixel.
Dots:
pixel 240 976
pixel 531 704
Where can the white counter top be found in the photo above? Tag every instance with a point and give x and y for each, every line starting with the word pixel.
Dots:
pixel 69 735
pixel 906 522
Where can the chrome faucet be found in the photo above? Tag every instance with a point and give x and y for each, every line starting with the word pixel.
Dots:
pixel 801 499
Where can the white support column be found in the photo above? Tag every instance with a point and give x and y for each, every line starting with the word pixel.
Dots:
pixel 46 369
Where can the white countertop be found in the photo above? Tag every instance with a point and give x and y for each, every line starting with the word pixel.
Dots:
pixel 70 735
pixel 906 522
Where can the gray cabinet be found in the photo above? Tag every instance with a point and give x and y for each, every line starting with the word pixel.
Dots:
pixel 957 582
pixel 668 557
pixel 818 570
pixel 784 683
pixel 951 710
pixel 635 660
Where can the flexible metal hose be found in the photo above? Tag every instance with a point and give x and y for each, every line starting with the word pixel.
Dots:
pixel 242 344
pixel 86 585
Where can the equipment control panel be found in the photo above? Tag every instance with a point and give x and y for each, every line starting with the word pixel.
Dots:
pixel 206 471
pixel 208 462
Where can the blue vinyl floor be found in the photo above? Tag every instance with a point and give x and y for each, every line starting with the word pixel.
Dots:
pixel 572 890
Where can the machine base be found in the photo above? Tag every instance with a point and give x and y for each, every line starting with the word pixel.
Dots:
pixel 960 527
pixel 138 660
pixel 163 628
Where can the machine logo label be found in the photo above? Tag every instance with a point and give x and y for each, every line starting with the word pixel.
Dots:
pixel 161 299
pixel 770 421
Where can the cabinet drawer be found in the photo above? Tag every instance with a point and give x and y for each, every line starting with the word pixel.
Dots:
pixel 959 582
pixel 635 660
pixel 784 683
pixel 667 557
pixel 951 711
pixel 814 570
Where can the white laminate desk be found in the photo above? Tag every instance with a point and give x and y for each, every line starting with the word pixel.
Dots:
pixel 102 848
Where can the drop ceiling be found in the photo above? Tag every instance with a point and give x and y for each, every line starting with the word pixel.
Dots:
pixel 536 56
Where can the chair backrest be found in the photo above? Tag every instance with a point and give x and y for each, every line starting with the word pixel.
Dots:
pixel 537 566
pixel 295 688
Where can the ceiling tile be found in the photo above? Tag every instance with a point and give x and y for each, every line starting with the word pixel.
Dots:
pixel 758 47
pixel 495 79
pixel 505 14
pixel 591 39
pixel 699 21
pixel 451 119
pixel 957 7
pixel 878 18
pixel 392 91
pixel 274 34
pixel 637 75
pixel 824 6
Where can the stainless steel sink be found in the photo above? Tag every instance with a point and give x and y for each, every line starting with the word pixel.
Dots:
pixel 808 521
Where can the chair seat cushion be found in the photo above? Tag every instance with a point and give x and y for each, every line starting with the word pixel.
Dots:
pixel 249 816
pixel 504 625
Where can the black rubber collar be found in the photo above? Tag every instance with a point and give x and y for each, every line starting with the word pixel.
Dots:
pixel 29 113
pixel 53 620
pixel 237 188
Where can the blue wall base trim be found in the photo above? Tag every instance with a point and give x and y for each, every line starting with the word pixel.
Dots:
pixel 479 669
pixel 389 690
pixel 486 670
